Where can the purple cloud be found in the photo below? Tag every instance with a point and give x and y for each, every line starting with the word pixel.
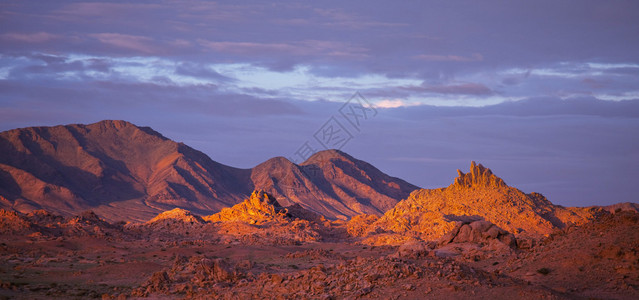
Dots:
pixel 196 70
pixel 474 89
pixel 463 88
pixel 453 58
pixel 136 43
pixel 225 76
pixel 38 37
pixel 301 48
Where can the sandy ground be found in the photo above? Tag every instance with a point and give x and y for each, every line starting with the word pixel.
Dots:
pixel 598 260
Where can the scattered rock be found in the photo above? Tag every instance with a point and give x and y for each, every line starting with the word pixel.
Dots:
pixel 483 232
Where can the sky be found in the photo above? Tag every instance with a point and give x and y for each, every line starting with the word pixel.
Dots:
pixel 545 93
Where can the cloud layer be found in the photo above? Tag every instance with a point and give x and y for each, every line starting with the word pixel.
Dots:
pixel 543 92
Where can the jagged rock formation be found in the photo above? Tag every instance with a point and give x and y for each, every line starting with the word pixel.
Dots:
pixel 259 208
pixel 478 176
pixel 260 219
pixel 477 195
pixel 126 172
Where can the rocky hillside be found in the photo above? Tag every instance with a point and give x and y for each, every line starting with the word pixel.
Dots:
pixel 476 195
pixel 331 183
pixel 125 172
pixel 259 219
pixel 113 167
pixel 259 208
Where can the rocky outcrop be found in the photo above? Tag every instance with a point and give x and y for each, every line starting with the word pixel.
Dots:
pixel 358 225
pixel 177 215
pixel 429 214
pixel 175 224
pixel 12 222
pixel 259 208
pixel 480 231
pixel 478 176
pixel 260 219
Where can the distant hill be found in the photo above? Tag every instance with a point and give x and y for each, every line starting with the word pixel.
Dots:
pixel 126 172
pixel 331 183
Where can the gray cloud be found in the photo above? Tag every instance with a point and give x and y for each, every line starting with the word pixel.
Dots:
pixel 456 89
pixel 200 71
pixel 195 72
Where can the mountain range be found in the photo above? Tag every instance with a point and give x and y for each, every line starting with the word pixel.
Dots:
pixel 198 228
pixel 126 172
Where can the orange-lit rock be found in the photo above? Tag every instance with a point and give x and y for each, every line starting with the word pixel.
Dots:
pixel 477 195
pixel 177 214
pixel 260 207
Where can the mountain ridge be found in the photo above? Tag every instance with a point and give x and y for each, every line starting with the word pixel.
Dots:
pixel 124 171
pixel 111 165
pixel 344 184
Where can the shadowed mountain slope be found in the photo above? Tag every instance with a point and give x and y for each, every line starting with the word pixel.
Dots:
pixel 331 183
pixel 126 172
pixel 114 167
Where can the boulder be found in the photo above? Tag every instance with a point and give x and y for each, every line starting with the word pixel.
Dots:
pixel 481 231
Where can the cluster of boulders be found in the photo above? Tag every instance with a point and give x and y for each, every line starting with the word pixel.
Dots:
pixel 191 275
pixel 259 208
pixel 481 231
pixel 42 224
pixel 350 278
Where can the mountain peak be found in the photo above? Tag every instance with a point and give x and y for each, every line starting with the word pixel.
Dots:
pixel 278 161
pixel 113 123
pixel 325 155
pixel 331 183
pixel 478 176
pixel 119 125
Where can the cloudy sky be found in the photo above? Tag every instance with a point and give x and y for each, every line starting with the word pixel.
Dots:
pixel 543 92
